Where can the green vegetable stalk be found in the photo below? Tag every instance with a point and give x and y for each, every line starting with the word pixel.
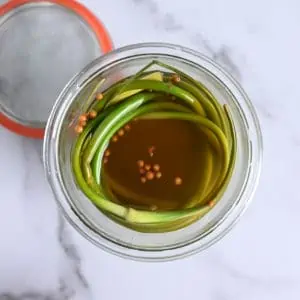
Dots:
pixel 136 98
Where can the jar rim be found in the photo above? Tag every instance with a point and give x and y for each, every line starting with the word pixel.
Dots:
pixel 216 232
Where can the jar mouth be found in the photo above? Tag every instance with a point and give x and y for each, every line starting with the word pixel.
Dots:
pixel 98 228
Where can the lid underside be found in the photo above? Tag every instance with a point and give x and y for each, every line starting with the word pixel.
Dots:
pixel 43 45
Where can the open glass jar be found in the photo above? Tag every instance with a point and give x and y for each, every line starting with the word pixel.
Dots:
pixel 96 226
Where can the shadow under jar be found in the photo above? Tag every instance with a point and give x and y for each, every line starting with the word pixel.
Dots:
pixel 119 227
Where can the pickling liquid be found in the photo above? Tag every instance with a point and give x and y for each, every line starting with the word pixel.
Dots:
pixel 180 149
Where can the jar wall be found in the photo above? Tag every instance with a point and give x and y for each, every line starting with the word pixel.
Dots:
pixel 91 222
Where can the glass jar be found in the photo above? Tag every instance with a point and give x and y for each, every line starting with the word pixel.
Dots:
pixel 90 221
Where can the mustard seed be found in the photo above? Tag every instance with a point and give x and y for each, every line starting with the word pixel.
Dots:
pixel 151 150
pixel 175 78
pixel 82 118
pixel 140 163
pixel 82 123
pixel 93 114
pixel 158 175
pixel 78 129
pixel 150 175
pixel 156 167
pixel 121 132
pixel 211 203
pixel 99 96
pixel 178 181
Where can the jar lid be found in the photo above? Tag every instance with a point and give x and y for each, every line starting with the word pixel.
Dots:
pixel 44 43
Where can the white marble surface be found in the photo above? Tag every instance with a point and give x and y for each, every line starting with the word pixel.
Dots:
pixel 42 257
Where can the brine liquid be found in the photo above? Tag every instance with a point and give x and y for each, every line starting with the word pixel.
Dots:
pixel 181 150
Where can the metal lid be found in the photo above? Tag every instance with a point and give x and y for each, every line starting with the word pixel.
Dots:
pixel 43 45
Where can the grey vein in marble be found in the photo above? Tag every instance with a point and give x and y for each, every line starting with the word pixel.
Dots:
pixel 67 288
pixel 170 24
pixel 71 251
pixel 32 295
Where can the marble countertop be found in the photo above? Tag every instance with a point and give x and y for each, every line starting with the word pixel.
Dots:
pixel 42 257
